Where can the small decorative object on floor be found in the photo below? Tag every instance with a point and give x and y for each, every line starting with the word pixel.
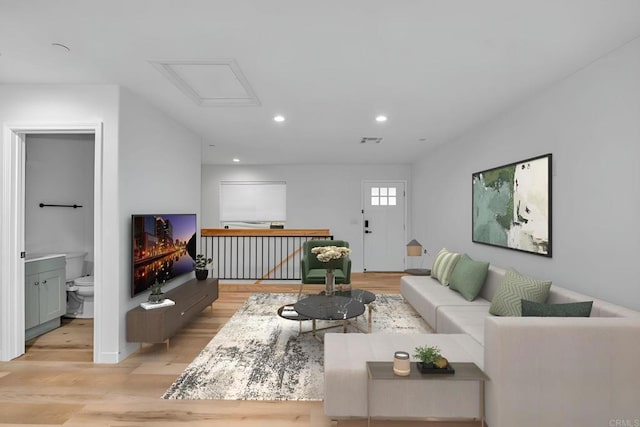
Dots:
pixel 414 248
pixel 201 264
pixel 156 293
pixel 432 361
pixel 330 255
pixel 289 311
pixel 401 363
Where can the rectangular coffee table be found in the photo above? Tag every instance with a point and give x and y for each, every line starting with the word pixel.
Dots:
pixel 383 371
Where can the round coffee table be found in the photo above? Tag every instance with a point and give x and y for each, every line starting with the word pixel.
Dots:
pixel 364 297
pixel 323 307
pixel 286 313
pixel 361 295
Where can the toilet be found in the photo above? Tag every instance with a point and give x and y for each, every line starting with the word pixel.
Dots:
pixel 79 287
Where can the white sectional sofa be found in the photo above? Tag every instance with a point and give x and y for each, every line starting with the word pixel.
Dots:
pixel 543 371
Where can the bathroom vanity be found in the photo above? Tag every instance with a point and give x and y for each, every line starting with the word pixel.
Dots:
pixel 45 293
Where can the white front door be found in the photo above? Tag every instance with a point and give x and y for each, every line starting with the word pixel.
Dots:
pixel 384 217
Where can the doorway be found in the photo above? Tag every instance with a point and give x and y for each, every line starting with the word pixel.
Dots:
pixel 59 217
pixel 384 221
pixel 12 284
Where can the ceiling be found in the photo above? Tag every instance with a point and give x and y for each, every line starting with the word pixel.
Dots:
pixel 436 68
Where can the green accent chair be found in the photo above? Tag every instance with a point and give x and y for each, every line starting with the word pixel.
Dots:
pixel 314 271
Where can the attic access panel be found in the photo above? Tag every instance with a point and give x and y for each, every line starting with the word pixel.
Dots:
pixel 210 83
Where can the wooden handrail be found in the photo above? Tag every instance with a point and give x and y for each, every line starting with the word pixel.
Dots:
pixel 284 232
pixel 258 253
pixel 280 264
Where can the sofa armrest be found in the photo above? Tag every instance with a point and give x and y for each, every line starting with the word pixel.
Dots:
pixel 562 371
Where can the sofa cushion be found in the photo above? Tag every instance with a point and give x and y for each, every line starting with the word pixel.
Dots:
pixel 573 309
pixel 443 265
pixel 456 319
pixel 468 277
pixel 320 275
pixel 426 296
pixel 514 288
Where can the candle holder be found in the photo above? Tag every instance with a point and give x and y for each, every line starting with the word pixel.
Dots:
pixel 401 363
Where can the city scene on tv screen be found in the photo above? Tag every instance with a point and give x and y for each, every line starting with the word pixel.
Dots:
pixel 163 248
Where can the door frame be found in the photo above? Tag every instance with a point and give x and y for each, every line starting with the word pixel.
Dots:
pixel 12 306
pixel 363 203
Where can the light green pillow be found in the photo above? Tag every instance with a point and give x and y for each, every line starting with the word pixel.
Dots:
pixel 443 266
pixel 571 309
pixel 515 287
pixel 468 277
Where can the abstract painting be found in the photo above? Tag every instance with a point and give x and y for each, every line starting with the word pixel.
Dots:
pixel 511 206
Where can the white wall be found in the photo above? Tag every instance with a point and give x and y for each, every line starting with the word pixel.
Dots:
pixel 318 196
pixel 67 104
pixel 591 124
pixel 59 170
pixel 160 172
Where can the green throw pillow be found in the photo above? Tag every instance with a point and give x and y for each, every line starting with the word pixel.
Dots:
pixel 572 309
pixel 443 266
pixel 468 277
pixel 513 289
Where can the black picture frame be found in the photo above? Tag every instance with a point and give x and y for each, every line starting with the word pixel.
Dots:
pixel 511 206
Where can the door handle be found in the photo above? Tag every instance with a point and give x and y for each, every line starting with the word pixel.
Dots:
pixel 368 231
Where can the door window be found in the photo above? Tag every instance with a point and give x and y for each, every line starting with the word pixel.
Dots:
pixel 383 196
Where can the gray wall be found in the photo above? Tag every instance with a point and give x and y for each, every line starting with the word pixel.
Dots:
pixel 318 196
pixel 63 105
pixel 140 146
pixel 59 170
pixel 590 121
pixel 160 172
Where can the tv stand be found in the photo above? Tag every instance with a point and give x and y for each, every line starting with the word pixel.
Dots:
pixel 158 325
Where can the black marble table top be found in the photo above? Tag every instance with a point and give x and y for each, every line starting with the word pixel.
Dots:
pixel 333 307
pixel 361 295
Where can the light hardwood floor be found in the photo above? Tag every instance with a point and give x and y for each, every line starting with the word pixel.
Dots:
pixel 55 383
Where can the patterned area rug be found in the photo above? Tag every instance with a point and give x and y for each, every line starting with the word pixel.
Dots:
pixel 258 355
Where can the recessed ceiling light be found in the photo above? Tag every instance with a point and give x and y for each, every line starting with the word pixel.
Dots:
pixel 381 119
pixel 279 118
pixel 236 160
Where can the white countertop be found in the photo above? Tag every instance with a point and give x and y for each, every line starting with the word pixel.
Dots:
pixel 40 257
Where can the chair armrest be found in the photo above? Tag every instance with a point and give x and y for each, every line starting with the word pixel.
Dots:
pixel 304 268
pixel 346 269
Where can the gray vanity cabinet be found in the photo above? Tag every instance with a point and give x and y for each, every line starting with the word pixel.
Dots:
pixel 45 295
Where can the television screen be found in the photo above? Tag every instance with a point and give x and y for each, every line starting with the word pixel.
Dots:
pixel 163 248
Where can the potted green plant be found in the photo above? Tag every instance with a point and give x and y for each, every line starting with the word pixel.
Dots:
pixel 157 296
pixel 201 264
pixel 430 358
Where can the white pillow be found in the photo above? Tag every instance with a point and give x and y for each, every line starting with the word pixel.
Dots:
pixel 443 266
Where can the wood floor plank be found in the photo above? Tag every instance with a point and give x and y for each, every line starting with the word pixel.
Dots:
pixel 56 383
pixel 37 413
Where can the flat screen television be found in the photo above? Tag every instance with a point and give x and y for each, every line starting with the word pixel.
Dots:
pixel 163 247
